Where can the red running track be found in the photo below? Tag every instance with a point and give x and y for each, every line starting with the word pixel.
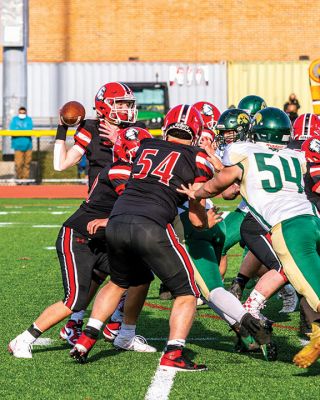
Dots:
pixel 44 192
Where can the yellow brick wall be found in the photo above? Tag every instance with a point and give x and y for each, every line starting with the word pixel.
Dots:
pixel 173 30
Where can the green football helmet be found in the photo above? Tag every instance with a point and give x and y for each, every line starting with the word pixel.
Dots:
pixel 252 104
pixel 271 125
pixel 232 125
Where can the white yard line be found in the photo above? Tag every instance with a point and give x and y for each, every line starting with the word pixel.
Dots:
pixel 162 381
pixel 161 385
pixel 46 226
pixel 50 248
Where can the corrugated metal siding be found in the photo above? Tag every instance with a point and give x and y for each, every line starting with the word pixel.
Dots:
pixel 50 85
pixel 274 81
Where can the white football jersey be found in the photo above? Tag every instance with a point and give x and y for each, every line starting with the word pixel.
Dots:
pixel 272 182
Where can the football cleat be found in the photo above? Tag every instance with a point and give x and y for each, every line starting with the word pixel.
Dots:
pixel 81 349
pixel 270 351
pixel 261 331
pixel 290 299
pixel 71 331
pixel 164 293
pixel 111 331
pixel 137 343
pixel 245 342
pixel 20 348
pixel 311 352
pixel 173 359
pixel 236 289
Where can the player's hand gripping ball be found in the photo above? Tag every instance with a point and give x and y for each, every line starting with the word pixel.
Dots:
pixel 72 113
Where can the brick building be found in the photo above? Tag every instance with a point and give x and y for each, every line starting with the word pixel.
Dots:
pixel 172 30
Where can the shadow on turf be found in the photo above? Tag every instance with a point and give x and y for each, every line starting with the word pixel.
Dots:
pixel 314 370
pixel 44 349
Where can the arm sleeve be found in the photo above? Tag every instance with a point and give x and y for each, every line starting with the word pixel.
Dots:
pixel 205 170
pixel 119 175
pixel 82 139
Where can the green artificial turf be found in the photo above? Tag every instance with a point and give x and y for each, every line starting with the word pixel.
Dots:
pixel 30 280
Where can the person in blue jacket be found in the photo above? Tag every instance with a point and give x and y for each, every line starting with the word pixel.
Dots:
pixel 22 145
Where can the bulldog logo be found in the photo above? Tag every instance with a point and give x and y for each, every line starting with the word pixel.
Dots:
pixel 207 110
pixel 100 94
pixel 131 134
pixel 315 145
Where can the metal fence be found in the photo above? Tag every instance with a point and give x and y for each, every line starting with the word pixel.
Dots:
pixel 41 169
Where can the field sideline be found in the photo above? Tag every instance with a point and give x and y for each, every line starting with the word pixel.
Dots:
pixel 30 276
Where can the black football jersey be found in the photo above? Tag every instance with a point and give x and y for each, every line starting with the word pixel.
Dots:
pixel 97 150
pixel 106 188
pixel 158 170
pixel 312 182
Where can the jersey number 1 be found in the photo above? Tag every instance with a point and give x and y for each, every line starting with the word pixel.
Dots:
pixel 163 170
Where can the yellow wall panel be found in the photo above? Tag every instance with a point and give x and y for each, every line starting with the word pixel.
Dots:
pixel 273 81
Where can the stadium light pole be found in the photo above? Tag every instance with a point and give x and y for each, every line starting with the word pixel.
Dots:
pixel 14 39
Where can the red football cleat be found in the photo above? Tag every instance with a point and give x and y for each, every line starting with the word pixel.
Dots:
pixel 173 359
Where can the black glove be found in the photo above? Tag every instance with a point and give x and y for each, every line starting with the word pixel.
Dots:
pixel 61 132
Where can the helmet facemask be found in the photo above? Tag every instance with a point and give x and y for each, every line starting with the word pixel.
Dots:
pixel 121 110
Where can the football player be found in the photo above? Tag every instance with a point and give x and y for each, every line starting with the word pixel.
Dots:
pixel 252 104
pixel 115 107
pixel 84 260
pixel 140 233
pixel 210 115
pixel 233 125
pixel 271 181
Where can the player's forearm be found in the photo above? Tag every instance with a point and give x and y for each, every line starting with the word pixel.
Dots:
pixel 59 155
pixel 63 158
pixel 206 191
pixel 219 183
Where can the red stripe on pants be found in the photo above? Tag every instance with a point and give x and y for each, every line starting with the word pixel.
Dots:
pixel 70 267
pixel 186 258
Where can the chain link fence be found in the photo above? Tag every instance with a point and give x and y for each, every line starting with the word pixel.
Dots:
pixel 41 168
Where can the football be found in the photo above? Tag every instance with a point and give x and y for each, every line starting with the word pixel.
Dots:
pixel 72 113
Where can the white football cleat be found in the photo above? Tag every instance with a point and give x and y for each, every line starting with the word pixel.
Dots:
pixel 290 299
pixel 137 343
pixel 20 348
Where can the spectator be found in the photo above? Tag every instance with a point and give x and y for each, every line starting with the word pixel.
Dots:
pixel 22 145
pixel 292 100
pixel 292 112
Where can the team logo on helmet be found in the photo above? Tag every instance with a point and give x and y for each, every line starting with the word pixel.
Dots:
pixel 100 94
pixel 257 118
pixel 131 134
pixel 243 119
pixel 207 110
pixel 315 145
